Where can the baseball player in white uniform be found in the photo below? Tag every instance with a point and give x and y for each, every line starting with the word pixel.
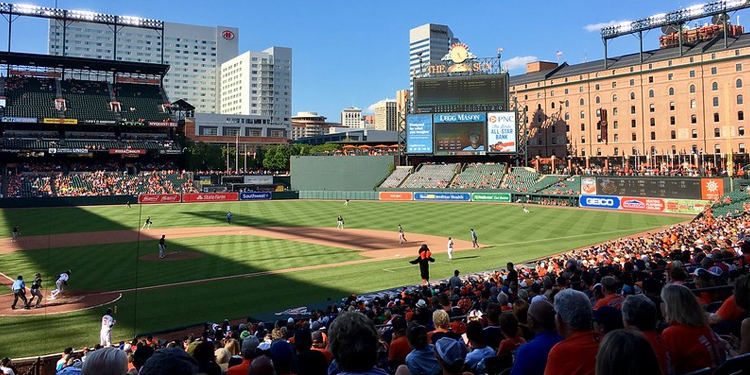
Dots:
pixel 61 280
pixel 105 335
pixel 401 235
pixel 450 248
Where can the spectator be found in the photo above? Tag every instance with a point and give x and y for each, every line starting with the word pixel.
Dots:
pixel 451 355
pixel 170 361
pixel 442 322
pixel 611 297
pixel 249 345
pixel 422 359
pixel 576 354
pixel 399 348
pixel 638 312
pixel 742 298
pixel 531 357
pixel 140 356
pixel 310 362
pixel 283 358
pixel 512 333
pixel 626 352
pixel 319 344
pixel 222 359
pixel 607 319
pixel 492 333
pixel 354 344
pixel 262 366
pixel 204 354
pixel 105 361
pixel 691 343
pixel 6 367
pixel 479 351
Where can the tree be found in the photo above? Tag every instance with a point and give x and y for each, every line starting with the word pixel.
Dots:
pixel 204 156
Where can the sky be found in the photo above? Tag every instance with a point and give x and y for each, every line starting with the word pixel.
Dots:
pixel 354 53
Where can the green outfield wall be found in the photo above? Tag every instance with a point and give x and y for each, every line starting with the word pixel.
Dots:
pixel 339 173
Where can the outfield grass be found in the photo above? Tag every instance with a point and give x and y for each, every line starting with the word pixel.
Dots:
pixel 510 234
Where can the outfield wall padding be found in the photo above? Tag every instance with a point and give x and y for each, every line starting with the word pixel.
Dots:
pixel 336 195
pixel 339 173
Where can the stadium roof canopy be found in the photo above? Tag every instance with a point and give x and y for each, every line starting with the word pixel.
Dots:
pixel 80 63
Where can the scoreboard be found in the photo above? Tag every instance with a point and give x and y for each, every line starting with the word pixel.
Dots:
pixel 684 188
pixel 461 94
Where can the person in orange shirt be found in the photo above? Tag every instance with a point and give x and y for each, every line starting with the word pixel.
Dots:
pixel 576 355
pixel 690 341
pixel 249 346
pixel 639 312
pixel 510 330
pixel 611 297
pixel 319 344
pixel 399 348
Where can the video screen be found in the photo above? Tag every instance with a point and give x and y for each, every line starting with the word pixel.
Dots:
pixel 461 94
pixel 460 134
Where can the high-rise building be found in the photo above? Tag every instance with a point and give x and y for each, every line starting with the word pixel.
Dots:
pixel 352 118
pixel 386 115
pixel 194 53
pixel 428 43
pixel 308 124
pixel 259 83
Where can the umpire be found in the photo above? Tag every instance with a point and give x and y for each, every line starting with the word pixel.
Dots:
pixel 36 285
pixel 19 291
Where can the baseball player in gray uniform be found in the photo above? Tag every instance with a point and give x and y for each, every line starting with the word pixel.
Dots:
pixel 36 287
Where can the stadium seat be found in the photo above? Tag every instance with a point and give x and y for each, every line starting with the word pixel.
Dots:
pixel 739 365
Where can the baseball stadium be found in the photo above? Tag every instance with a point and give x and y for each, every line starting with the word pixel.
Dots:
pixel 112 204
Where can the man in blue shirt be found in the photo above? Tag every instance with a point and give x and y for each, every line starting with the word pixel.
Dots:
pixel 531 357
pixel 19 291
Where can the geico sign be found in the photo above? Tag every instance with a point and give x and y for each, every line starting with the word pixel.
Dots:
pixel 609 202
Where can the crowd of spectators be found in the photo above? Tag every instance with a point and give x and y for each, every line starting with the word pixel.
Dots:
pixel 667 302
pixel 664 171
pixel 99 183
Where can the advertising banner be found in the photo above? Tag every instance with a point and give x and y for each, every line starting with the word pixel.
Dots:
pixel 67 151
pixel 460 133
pixel 395 196
pixel 452 197
pixel 490 197
pixel 501 132
pixel 712 188
pixel 600 201
pixel 258 180
pixel 162 124
pixel 419 134
pixel 159 198
pixel 588 185
pixel 100 122
pixel 642 204
pixel 126 151
pixel 209 197
pixel 685 206
pixel 27 120
pixel 64 121
pixel 255 195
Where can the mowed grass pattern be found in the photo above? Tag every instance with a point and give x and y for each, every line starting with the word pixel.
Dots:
pixel 508 233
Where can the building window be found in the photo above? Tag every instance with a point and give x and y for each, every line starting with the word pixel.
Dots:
pixel 717 148
pixel 695 134
pixel 716 117
pixel 652 121
pixel 692 104
pixel 617 151
pixel 651 108
pixel 583 139
pixel 632 95
pixel 672 120
pixel 738 83
pixel 614 98
pixel 672 134
pixel 742 148
pixel 553 105
pixel 617 138
pixel 632 81
pixel 713 69
pixel 741 131
pixel 567 116
pixel 632 109
pixel 650 78
pixel 738 67
pixel 693 119
pixel 583 127
pixel 692 72
pixel 715 101
pixel 740 116
pixel 615 124
pixel 715 86
pixel 614 111
pixel 567 103
pixel 670 76
pixel 692 89
pixel 596 100
pixel 632 123
pixel 596 87
pixel 583 114
pixel 653 136
pixel 650 93
pixel 671 91
pixel 740 99
pixel 633 137
pixel 581 101
pixel 614 84
pixel 598 151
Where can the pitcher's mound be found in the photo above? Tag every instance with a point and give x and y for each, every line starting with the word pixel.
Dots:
pixel 170 257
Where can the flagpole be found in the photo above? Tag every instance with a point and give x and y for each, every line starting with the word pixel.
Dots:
pixel 237 152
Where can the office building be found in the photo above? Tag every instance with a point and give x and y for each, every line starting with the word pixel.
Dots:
pixel 352 118
pixel 428 43
pixel 386 115
pixel 194 54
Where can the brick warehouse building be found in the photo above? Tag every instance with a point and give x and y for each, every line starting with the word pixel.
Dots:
pixel 668 104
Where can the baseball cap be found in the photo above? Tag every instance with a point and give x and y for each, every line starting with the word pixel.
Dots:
pixel 399 323
pixel 450 350
pixel 716 271
pixel 245 334
pixel 250 344
pixel 700 271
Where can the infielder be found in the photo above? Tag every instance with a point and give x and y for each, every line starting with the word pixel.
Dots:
pixel 229 218
pixel 340 222
pixel 401 236
pixel 450 248
pixel 61 280
pixel 525 210
pixel 147 224
pixel 474 242
pixel 16 233
pixel 105 335
pixel 36 285
pixel 162 248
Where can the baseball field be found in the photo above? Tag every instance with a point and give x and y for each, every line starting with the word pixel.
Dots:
pixel 275 255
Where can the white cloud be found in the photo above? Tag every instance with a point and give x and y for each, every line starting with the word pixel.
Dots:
pixel 601 25
pixel 518 62
pixel 370 110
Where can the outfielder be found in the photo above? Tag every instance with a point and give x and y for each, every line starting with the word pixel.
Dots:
pixel 162 248
pixel 61 280
pixel 105 335
pixel 16 233
pixel 36 285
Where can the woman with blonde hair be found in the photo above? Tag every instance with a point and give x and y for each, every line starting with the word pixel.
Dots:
pixel 691 343
pixel 233 346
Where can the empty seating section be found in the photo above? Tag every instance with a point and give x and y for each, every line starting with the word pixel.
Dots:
pixel 88 141
pixel 566 186
pixel 732 203
pixel 140 102
pixel 396 178
pixel 431 176
pixel 545 182
pixel 480 176
pixel 88 100
pixel 520 179
pixel 30 97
